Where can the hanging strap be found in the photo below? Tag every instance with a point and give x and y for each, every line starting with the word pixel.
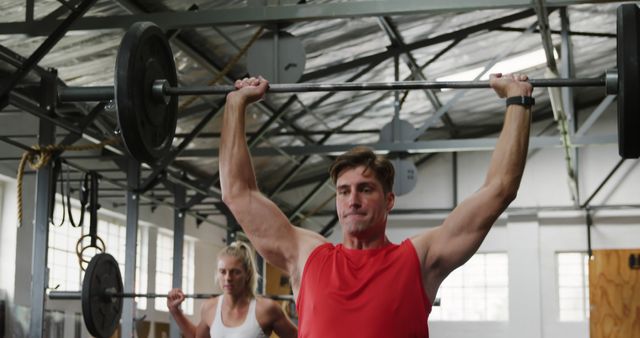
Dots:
pixel 55 177
pixel 93 208
pixel 83 194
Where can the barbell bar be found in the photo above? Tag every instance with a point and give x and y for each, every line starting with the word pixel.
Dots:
pixel 161 88
pixel 395 85
pixel 76 295
pixel 146 88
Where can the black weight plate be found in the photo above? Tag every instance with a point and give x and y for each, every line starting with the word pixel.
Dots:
pixel 148 124
pixel 628 39
pixel 101 314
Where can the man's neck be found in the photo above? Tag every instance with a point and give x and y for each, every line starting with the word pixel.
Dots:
pixel 353 242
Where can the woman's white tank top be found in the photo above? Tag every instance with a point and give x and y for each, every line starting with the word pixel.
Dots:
pixel 249 329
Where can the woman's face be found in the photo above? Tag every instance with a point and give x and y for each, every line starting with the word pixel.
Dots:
pixel 232 276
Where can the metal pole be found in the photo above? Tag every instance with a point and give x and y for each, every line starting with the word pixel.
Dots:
pixel 178 245
pixel 589 224
pixel 46 135
pixel 71 295
pixel 163 295
pixel 194 295
pixel 65 295
pixel 128 305
pixel 82 94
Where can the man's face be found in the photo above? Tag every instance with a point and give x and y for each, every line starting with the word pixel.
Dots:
pixel 361 203
pixel 232 277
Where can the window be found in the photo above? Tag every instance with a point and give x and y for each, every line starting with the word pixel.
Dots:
pixel 573 286
pixel 64 268
pixel 164 269
pixel 77 324
pixel 53 324
pixel 476 291
pixel 65 273
pixel 142 262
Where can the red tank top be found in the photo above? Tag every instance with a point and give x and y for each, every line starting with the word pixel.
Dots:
pixel 363 293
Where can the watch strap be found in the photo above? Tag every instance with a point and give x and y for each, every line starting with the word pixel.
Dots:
pixel 526 101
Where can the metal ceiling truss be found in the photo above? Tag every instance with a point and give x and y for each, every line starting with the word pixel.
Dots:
pixel 28 105
pixel 202 186
pixel 562 99
pixel 557 32
pixel 511 210
pixel 301 162
pixel 299 165
pixel 595 114
pixel 288 133
pixel 567 70
pixel 430 146
pixel 209 183
pixel 168 158
pixel 213 180
pixel 587 202
pixel 56 33
pixel 392 51
pixel 460 94
pixel 287 123
pixel 274 14
pixel 396 40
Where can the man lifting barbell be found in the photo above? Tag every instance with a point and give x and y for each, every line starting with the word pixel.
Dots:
pixel 361 288
pixel 363 197
pixel 237 312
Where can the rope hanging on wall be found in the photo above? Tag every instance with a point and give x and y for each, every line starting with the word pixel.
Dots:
pixel 39 156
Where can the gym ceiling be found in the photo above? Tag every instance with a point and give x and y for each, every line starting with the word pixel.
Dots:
pixel 295 136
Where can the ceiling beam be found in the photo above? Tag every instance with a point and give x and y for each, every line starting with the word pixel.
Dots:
pixel 432 146
pixel 274 14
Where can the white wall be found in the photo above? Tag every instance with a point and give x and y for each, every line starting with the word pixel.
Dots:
pixel 7 234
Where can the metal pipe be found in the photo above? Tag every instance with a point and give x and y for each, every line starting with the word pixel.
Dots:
pixel 195 295
pixel 65 295
pixel 131 240
pixel 82 94
pixel 104 93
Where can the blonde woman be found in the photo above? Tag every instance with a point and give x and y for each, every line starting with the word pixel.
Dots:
pixel 237 312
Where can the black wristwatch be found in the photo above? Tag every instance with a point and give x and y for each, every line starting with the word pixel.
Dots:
pixel 526 101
